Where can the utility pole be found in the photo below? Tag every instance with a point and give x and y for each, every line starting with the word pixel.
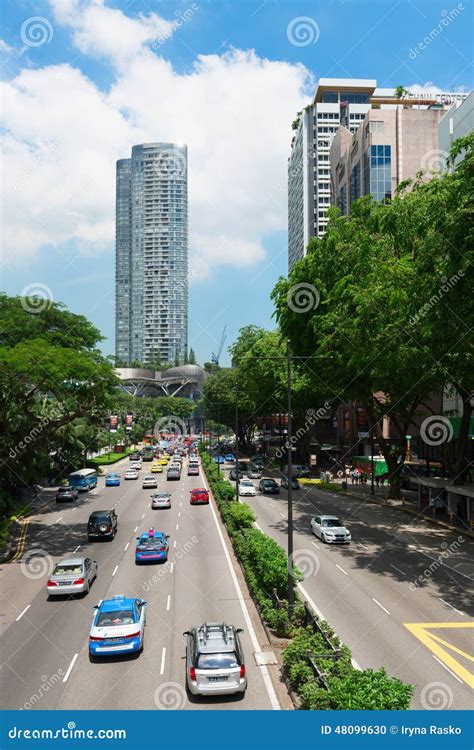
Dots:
pixel 236 443
pixel 372 478
pixel 291 583
pixel 218 443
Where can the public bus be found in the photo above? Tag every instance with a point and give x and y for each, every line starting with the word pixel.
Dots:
pixel 84 479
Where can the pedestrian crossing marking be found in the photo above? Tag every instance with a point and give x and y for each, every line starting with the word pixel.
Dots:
pixel 436 644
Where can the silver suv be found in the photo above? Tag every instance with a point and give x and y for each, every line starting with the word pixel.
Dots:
pixel 215 663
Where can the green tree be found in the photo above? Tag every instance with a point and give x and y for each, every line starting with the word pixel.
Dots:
pixel 51 374
pixel 381 330
pixel 192 357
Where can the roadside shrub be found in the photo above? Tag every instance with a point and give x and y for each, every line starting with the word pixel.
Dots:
pixel 241 516
pixel 369 690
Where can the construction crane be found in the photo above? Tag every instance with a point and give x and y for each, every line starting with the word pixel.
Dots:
pixel 215 357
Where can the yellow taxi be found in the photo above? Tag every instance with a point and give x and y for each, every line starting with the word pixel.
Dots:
pixel 162 461
pixel 156 469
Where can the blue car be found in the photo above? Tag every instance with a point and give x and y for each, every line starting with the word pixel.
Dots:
pixel 219 459
pixel 229 458
pixel 112 480
pixel 152 547
pixel 118 627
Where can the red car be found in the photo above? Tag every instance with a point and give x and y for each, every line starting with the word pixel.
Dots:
pixel 199 495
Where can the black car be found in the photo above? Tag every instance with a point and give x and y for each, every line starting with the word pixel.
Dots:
pixel 294 483
pixel 102 524
pixel 67 493
pixel 134 457
pixel 233 475
pixel 268 487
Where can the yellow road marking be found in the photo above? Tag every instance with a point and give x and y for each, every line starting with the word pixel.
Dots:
pixel 21 540
pixel 421 630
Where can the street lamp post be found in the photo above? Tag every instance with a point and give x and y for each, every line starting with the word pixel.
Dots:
pixel 236 443
pixel 372 463
pixel 291 583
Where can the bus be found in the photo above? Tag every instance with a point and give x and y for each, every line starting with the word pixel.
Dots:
pixel 84 479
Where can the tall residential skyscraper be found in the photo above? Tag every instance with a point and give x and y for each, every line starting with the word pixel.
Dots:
pixel 151 276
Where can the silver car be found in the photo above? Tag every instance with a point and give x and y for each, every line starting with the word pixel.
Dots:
pixel 72 576
pixel 160 500
pixel 330 530
pixel 215 663
pixel 150 482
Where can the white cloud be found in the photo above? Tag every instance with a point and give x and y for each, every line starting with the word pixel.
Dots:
pixel 103 32
pixel 5 48
pixel 63 135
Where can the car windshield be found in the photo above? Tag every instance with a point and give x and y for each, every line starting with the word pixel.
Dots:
pixel 67 570
pixel 246 483
pixel 331 522
pixel 121 617
pixel 269 482
pixel 99 518
pixel 217 661
pixel 65 489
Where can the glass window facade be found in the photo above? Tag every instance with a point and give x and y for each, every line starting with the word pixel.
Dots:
pixel 378 172
pixel 355 182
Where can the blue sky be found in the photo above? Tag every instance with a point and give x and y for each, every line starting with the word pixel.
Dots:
pixel 108 73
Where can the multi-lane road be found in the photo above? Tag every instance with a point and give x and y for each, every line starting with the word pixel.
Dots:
pixel 44 643
pixel 400 595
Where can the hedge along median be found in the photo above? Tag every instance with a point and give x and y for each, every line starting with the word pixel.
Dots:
pixel 265 566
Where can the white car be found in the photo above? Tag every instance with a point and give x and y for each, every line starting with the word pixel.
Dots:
pixel 136 465
pixel 72 576
pixel 330 530
pixel 150 482
pixel 131 474
pixel 247 488
pixel 160 500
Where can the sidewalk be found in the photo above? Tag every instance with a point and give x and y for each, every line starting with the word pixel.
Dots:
pixel 408 503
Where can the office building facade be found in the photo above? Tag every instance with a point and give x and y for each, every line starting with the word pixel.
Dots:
pixel 152 255
pixel 391 145
pixel 339 103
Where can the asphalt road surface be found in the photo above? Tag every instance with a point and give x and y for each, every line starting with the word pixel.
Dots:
pixel 400 595
pixel 44 643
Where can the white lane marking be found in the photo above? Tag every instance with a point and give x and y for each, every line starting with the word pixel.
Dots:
pixel 143 515
pixel 341 569
pixel 69 669
pixel 180 505
pixel 257 526
pixel 282 515
pixel 115 570
pixel 380 605
pixel 135 529
pixel 59 519
pixel 78 547
pixel 447 668
pixel 22 613
pixel 363 545
pixel 356 664
pixel 163 657
pixel 311 602
pixel 177 526
pixel 397 569
pixel 168 603
pixel 171 567
pixel 272 504
pixel 179 514
pixel 451 606
pixel 174 544
pixel 316 545
pixel 250 628
pixel 126 547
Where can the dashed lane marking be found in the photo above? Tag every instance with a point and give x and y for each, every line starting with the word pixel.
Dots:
pixel 69 669
pixel 168 603
pixel 115 570
pixel 341 569
pixel 380 605
pixel 22 613
pixel 126 547
pixel 163 658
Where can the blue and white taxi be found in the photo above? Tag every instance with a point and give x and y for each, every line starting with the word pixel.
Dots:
pixel 118 626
